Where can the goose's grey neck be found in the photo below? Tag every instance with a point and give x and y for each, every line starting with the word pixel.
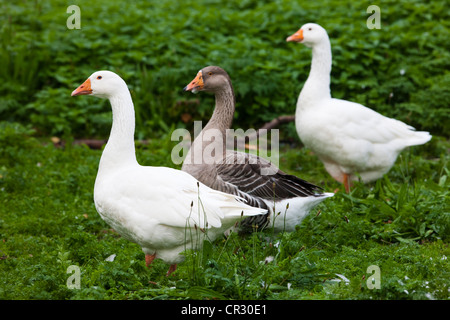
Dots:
pixel 210 145
pixel 222 117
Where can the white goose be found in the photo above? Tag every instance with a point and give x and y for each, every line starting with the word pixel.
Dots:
pixel 350 139
pixel 246 175
pixel 161 209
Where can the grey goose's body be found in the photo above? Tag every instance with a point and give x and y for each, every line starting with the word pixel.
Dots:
pixel 241 173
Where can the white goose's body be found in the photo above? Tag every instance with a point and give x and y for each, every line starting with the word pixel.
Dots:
pixel 355 141
pixel 158 208
pixel 351 140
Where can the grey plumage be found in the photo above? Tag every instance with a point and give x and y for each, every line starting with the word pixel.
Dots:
pixel 240 173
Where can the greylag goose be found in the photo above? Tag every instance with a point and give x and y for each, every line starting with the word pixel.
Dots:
pixel 158 208
pixel 287 198
pixel 353 141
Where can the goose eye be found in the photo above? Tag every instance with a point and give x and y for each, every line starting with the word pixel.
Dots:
pixel 309 29
pixel 99 78
pixel 210 73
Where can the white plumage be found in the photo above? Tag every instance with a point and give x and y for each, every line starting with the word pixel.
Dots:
pixel 159 208
pixel 163 210
pixel 351 140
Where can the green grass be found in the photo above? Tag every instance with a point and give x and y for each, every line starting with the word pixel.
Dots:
pixel 48 222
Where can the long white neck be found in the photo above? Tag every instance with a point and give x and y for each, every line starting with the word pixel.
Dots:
pixel 317 86
pixel 120 149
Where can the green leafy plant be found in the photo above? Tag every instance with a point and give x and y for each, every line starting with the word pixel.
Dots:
pixel 399 70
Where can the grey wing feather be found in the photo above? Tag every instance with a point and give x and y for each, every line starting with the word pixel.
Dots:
pixel 246 172
pixel 242 174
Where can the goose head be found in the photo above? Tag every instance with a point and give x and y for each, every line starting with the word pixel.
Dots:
pixel 103 84
pixel 309 34
pixel 210 78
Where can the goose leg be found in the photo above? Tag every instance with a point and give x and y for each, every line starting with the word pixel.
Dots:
pixel 172 268
pixel 149 259
pixel 347 183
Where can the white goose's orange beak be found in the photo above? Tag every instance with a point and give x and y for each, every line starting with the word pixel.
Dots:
pixel 196 84
pixel 296 37
pixel 85 88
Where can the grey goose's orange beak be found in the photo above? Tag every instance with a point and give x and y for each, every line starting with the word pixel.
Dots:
pixel 196 84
